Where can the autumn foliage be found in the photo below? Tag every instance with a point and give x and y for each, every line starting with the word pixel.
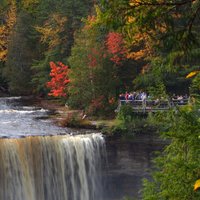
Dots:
pixel 6 30
pixel 96 104
pixel 115 46
pixel 92 57
pixel 59 79
pixel 95 55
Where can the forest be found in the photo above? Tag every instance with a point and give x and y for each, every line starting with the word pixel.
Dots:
pixel 150 46
pixel 88 52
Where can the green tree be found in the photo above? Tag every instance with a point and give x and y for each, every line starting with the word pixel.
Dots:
pixel 177 167
pixel 53 38
pixel 93 76
pixel 20 55
pixel 8 19
pixel 56 28
pixel 157 29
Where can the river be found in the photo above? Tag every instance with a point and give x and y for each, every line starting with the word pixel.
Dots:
pixel 41 161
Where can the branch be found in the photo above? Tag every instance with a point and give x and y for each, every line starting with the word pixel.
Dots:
pixel 163 4
pixel 191 22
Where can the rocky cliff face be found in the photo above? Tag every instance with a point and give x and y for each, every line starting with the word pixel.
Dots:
pixel 128 162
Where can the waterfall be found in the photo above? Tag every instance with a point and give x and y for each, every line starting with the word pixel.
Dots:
pixel 51 168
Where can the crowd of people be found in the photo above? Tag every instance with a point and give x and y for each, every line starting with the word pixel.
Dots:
pixel 130 96
pixel 179 97
pixel 144 96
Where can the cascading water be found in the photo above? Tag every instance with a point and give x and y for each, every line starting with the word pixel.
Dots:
pixel 59 167
pixel 49 168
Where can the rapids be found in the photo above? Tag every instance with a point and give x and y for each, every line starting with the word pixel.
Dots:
pixel 17 120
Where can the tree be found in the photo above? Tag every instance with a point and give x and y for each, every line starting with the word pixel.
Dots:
pixel 116 48
pixel 157 30
pixel 6 29
pixel 19 59
pixel 93 76
pixel 177 167
pixel 59 79
pixel 56 28
pixel 53 36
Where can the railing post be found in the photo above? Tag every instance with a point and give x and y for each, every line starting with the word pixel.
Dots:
pixel 144 105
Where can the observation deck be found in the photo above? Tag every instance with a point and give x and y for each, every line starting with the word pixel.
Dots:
pixel 152 105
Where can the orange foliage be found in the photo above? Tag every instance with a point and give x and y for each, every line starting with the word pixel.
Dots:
pixel 141 47
pixel 91 19
pixel 6 30
pixel 197 185
pixel 135 2
pixel 137 55
pixel 191 74
pixel 59 79
pixel 116 47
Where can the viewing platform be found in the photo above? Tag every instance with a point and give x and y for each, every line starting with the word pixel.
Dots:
pixel 152 105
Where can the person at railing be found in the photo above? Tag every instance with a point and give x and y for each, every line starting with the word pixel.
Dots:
pixel 131 97
pixel 122 97
pixel 179 99
pixel 143 96
pixel 138 95
pixel 174 97
pixel 126 95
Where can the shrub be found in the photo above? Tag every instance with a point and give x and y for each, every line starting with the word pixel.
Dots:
pixel 126 113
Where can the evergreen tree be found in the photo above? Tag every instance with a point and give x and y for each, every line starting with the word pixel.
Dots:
pixel 20 55
pixel 93 77
pixel 57 38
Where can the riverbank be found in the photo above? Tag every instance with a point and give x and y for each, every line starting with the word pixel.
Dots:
pixel 65 117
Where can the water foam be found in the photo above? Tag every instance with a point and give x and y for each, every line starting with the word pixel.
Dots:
pixel 49 168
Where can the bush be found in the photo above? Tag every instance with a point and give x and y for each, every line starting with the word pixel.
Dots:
pixel 128 123
pixel 126 113
pixel 72 120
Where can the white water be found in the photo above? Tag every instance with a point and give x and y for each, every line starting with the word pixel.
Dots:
pixel 51 168
pixel 17 120
pixel 35 167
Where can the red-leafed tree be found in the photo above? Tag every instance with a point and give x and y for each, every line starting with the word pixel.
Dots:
pixel 116 47
pixel 59 79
